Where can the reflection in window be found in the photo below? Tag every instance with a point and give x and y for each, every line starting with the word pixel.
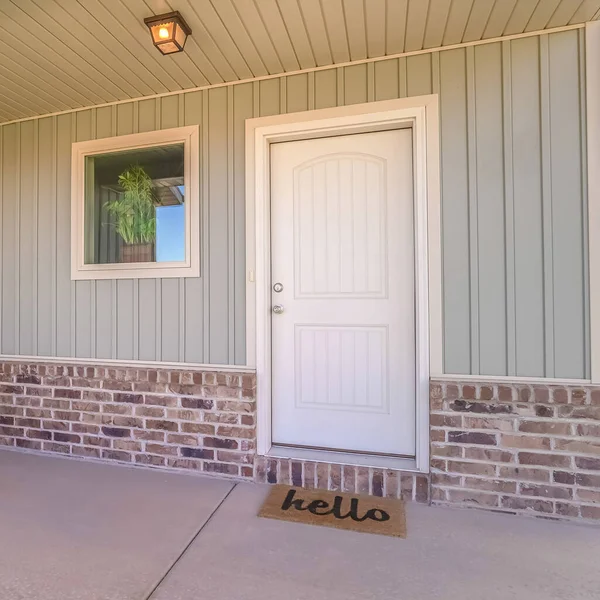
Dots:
pixel 135 206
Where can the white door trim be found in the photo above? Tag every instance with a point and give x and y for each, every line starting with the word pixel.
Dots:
pixel 421 114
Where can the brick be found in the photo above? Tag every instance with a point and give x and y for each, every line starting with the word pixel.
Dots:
pixel 578 396
pixel 471 468
pixel 437 435
pixel 525 442
pixel 146 459
pixel 546 491
pixel 235 432
pixel 248 420
pixel 226 418
pixel 66 393
pixel 56 403
pixel 545 427
pixel 560 396
pixel 472 437
pixel 117 409
pixel 448 451
pixel 488 455
pixel 587 464
pixel 87 452
pixel 563 477
pixel 116 432
pixel 83 405
pixel 54 447
pixel 39 435
pixel 541 395
pixel 437 420
pixel 227 469
pixel 589 495
pixel 486 392
pixel 578 446
pixel 116 455
pixel 547 460
pixel 56 425
pixel 528 504
pixel 29 444
pixel 348 478
pixel 505 393
pixel 480 407
pixel 153 400
pixel 421 488
pixel 544 411
pixel 488 423
pixel 150 411
pixel 129 398
pixel 154 436
pixel 127 445
pixel 197 403
pixel 469 392
pixel 164 450
pixel 335 477
pixel 590 512
pixel 588 430
pixel 567 510
pixel 228 444
pixel 28 379
pixel 491 485
pixel 233 406
pixel 70 438
pixel 363 480
pixel 580 412
pixel 237 457
pixel 91 440
pixel 118 386
pixel 67 415
pixel 163 425
pixel 199 428
pixel 473 497
pixel 182 439
pixel 247 471
pixel 452 391
pixel 524 393
pixel 95 396
pixel 446 480
pixel 587 480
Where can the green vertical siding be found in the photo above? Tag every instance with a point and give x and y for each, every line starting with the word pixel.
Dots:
pixel 513 212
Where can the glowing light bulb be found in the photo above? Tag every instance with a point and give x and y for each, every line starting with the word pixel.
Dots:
pixel 163 33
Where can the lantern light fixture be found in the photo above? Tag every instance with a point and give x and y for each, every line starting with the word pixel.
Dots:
pixel 169 32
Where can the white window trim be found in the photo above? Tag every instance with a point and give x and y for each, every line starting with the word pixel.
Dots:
pixel 190 137
pixel 420 113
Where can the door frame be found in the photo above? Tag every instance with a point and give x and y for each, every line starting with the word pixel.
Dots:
pixel 420 113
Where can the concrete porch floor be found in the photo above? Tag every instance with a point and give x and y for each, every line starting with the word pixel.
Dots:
pixel 73 530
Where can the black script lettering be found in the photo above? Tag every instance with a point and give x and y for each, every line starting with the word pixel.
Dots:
pixel 289 502
pixel 316 504
pixel 383 516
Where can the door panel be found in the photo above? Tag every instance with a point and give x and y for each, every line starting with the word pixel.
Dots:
pixel 343 250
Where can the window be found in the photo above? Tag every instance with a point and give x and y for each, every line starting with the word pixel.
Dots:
pixel 135 206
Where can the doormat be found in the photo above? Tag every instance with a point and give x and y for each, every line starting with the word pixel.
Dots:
pixel 368 514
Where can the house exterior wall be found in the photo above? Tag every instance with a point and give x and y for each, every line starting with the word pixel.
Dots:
pixel 513 214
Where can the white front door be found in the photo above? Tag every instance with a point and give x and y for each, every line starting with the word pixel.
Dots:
pixel 343 339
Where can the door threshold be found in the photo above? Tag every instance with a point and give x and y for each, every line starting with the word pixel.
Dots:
pixel 344 458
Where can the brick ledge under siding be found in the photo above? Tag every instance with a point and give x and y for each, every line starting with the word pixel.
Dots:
pixel 200 420
pixel 516 448
pixel 353 479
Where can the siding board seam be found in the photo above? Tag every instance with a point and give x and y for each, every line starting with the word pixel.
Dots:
pixel 158 282
pixel 73 311
pixel 473 216
pixel 181 287
pixel 136 282
pixel 17 290
pixel 585 221
pixel 2 132
pixel 113 288
pixel 93 285
pixel 205 244
pixel 54 240
pixel 230 229
pixel 36 197
pixel 547 208
pixel 509 211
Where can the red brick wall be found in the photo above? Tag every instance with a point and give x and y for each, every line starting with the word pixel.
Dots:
pixel 177 419
pixel 516 448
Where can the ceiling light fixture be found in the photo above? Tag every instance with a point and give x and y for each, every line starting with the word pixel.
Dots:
pixel 168 31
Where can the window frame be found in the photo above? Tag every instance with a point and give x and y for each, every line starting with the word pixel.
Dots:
pixel 190 137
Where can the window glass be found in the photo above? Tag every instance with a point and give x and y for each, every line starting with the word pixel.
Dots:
pixel 135 206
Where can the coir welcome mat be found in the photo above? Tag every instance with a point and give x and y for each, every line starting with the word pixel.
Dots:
pixel 368 514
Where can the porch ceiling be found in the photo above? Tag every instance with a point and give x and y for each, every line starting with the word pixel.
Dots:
pixel 57 55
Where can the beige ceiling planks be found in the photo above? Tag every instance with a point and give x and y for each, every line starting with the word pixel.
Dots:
pixel 253 24
pixel 34 85
pixel 354 11
pixel 457 21
pixel 564 13
pixel 212 48
pixel 14 106
pixel 499 18
pixel 131 26
pixel 415 24
pixel 34 100
pixel 586 12
pixel 397 11
pixel 204 10
pixel 116 25
pixel 520 16
pixel 314 22
pixel 279 32
pixel 333 12
pixel 232 22
pixel 478 20
pixel 436 23
pixel 541 15
pixel 36 41
pixel 294 22
pixel 376 29
pixel 61 24
pixel 93 28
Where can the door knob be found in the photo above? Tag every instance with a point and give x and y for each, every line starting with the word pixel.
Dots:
pixel 278 309
pixel 278 287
